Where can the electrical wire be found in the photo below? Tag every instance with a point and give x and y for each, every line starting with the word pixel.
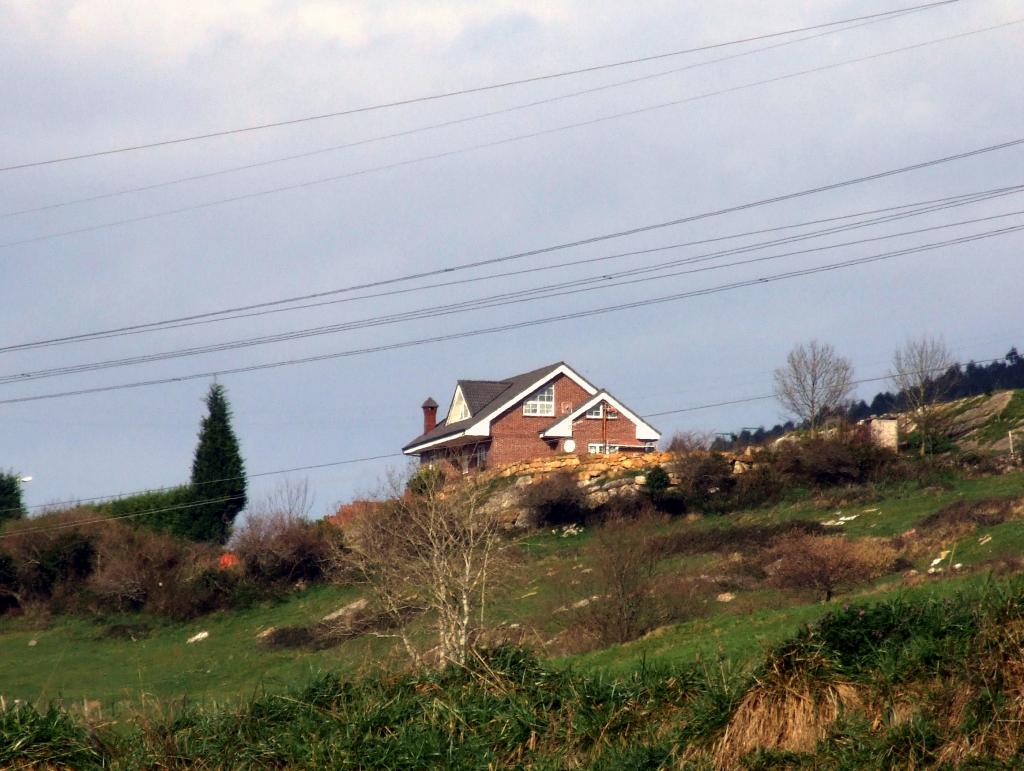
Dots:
pixel 113 497
pixel 494 143
pixel 518 325
pixel 544 292
pixel 463 91
pixel 907 210
pixel 119 496
pixel 435 126
pixel 548 249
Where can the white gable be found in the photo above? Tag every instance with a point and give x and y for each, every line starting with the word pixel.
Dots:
pixel 563 428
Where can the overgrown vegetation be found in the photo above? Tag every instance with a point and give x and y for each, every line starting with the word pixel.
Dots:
pixel 923 683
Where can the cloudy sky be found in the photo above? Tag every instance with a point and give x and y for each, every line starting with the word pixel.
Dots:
pixel 179 230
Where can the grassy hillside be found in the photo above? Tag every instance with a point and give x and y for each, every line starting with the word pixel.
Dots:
pixel 98 662
pixel 912 682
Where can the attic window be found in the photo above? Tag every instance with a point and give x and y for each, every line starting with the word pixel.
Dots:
pixel 542 402
pixel 597 411
pixel 459 410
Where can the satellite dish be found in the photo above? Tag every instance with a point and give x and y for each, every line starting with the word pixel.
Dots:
pixel 570 445
pixel 26 479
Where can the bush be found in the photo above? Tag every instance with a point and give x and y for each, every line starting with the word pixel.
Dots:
pixel 162 510
pixel 556 499
pixel 49 555
pixel 828 462
pixel 758 486
pixel 735 538
pixel 138 569
pixel 827 563
pixel 426 480
pixel 281 547
pixel 706 481
pixel 622 606
pixel 78 561
pixel 11 506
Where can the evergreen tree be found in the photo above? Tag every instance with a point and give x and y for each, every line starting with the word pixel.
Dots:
pixel 11 506
pixel 218 475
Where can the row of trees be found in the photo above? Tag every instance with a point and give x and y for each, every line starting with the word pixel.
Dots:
pixel 816 383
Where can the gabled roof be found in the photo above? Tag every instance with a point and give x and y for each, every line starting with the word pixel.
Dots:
pixel 562 427
pixel 479 393
pixel 499 396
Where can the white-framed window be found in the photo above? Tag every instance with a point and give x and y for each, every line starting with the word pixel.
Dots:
pixel 597 448
pixel 542 402
pixel 597 411
pixel 460 410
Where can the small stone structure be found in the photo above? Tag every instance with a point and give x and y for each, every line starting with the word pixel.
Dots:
pixel 884 432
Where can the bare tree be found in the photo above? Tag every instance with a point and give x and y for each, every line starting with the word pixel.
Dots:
pixel 683 442
pixel 814 381
pixel 917 370
pixel 437 552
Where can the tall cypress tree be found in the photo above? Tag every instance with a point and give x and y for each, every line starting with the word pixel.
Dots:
pixel 218 474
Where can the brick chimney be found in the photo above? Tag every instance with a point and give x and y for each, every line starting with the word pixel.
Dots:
pixel 429 415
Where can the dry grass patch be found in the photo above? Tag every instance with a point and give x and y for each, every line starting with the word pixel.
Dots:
pixel 788 708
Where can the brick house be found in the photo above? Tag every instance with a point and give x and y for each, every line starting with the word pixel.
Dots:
pixel 550 410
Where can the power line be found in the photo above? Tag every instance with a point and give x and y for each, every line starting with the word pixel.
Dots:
pixel 118 496
pixel 113 497
pixel 518 325
pixel 103 520
pixel 554 248
pixel 435 126
pixel 463 91
pixel 908 210
pixel 494 143
pixel 543 292
pixel 764 397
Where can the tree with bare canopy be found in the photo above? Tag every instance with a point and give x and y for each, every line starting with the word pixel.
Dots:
pixel 437 551
pixel 814 382
pixel 917 370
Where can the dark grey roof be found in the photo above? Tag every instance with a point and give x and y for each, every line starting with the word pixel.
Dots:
pixel 479 393
pixel 482 397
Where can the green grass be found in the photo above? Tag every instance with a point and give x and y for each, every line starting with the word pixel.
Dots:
pixel 74 661
pixel 507 709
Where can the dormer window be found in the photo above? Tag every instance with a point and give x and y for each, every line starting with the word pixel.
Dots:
pixel 459 410
pixel 542 402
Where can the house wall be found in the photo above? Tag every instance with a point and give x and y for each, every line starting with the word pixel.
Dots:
pixel 621 431
pixel 515 436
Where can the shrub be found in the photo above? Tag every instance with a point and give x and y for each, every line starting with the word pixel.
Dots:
pixel 162 510
pixel 77 561
pixel 281 547
pixel 11 506
pixel 827 462
pixel 556 499
pixel 426 480
pixel 50 555
pixel 758 486
pixel 138 569
pixel 622 606
pixel 656 481
pixel 706 481
pixel 827 563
